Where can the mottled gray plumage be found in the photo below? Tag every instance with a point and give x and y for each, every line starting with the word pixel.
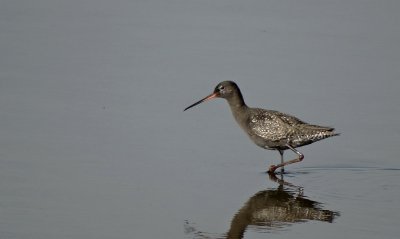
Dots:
pixel 276 129
pixel 269 129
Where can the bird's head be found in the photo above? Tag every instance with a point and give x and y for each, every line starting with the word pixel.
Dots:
pixel 225 89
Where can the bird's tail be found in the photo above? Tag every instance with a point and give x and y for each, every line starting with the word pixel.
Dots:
pixel 313 133
pixel 322 132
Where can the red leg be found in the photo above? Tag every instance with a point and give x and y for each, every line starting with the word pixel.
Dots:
pixel 272 168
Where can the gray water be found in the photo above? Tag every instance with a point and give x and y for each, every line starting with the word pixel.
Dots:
pixel 94 143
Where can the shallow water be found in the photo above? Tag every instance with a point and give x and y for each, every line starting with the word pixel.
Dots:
pixel 326 202
pixel 94 143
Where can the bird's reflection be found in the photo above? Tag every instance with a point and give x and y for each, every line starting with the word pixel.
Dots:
pixel 272 209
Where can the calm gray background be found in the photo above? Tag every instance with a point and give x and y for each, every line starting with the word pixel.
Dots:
pixel 94 143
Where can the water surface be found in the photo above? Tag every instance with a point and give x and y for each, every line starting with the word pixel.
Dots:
pixel 94 143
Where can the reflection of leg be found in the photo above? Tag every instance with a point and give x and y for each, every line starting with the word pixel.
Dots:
pixel 281 181
pixel 272 168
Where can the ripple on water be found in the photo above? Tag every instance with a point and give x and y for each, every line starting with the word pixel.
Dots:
pixel 369 184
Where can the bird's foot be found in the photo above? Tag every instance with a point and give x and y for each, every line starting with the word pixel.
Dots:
pixel 272 169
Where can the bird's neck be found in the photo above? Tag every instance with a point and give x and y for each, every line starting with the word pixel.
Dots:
pixel 238 106
pixel 236 100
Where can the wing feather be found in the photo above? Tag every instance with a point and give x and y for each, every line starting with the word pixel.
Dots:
pixel 272 125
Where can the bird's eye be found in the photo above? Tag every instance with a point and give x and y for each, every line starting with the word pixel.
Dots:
pixel 221 87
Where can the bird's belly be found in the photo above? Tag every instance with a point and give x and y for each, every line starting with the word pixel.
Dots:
pixel 263 142
pixel 267 144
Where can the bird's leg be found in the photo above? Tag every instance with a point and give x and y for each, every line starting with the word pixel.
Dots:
pixel 282 168
pixel 272 168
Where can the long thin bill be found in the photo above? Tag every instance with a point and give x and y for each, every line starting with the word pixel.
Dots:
pixel 213 95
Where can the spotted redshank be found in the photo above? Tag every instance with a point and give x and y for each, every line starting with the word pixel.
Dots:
pixel 269 129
